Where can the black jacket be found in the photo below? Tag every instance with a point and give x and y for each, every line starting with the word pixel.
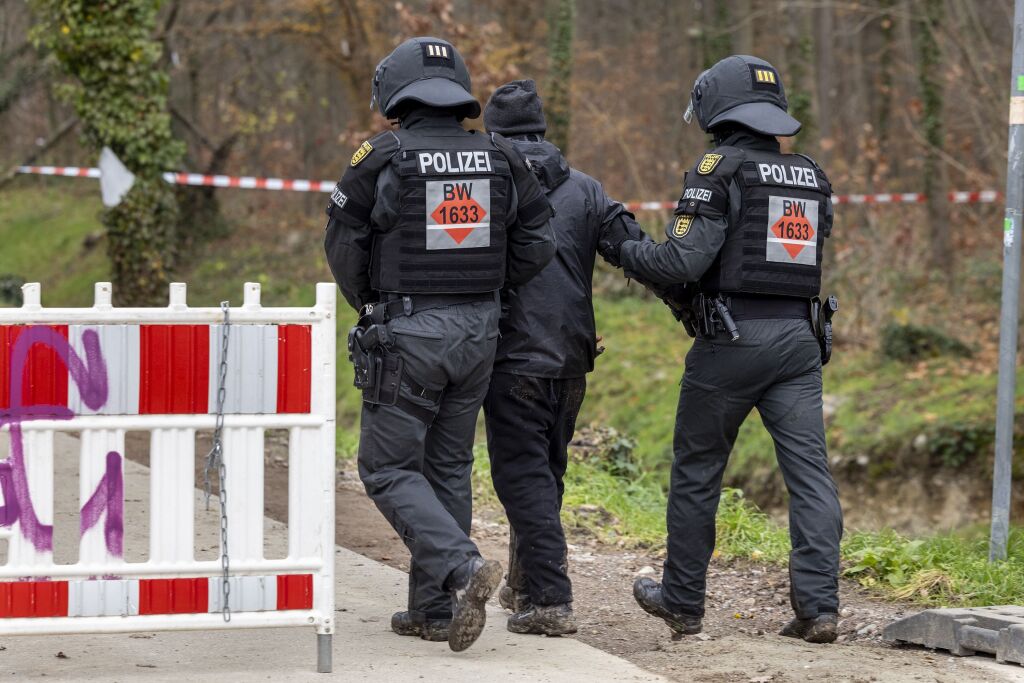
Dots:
pixel 366 201
pixel 692 246
pixel 547 325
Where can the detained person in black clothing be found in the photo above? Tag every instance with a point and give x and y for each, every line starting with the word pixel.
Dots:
pixel 547 347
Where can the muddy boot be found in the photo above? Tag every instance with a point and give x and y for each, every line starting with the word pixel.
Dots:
pixel 647 593
pixel 547 620
pixel 471 586
pixel 821 629
pixel 434 630
pixel 511 599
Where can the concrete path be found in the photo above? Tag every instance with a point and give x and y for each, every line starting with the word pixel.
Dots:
pixel 364 647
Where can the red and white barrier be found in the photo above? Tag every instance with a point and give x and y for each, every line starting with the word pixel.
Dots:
pixel 292 185
pixel 103 371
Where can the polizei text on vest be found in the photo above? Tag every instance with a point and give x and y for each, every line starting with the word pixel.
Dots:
pixel 784 174
pixel 454 162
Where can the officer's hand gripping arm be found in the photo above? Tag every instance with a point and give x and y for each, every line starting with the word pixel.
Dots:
pixel 695 233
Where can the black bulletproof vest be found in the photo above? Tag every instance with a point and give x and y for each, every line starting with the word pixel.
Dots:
pixel 450 234
pixel 773 245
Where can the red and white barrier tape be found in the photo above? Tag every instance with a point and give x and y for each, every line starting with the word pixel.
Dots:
pixel 299 185
pixel 246 182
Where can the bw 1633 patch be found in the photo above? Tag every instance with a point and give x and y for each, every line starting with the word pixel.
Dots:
pixel 792 230
pixel 458 214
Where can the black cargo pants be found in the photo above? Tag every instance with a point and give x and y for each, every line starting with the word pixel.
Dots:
pixel 775 367
pixel 418 475
pixel 530 422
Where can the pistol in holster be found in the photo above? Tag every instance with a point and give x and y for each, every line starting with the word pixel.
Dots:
pixel 713 316
pixel 377 366
pixel 821 321
pixel 679 299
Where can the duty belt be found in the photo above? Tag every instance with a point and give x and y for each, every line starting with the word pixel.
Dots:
pixel 745 307
pixel 399 305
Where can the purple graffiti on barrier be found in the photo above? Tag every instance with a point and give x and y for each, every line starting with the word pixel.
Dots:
pixel 108 497
pixel 90 375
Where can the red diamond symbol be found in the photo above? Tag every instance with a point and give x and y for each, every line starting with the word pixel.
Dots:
pixel 458 234
pixel 457 212
pixel 790 228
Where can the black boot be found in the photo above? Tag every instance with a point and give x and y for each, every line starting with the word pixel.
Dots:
pixel 546 620
pixel 511 599
pixel 647 593
pixel 471 585
pixel 821 629
pixel 434 630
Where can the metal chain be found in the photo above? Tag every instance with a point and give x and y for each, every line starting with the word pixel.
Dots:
pixel 215 460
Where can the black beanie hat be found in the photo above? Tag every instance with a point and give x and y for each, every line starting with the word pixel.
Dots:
pixel 515 109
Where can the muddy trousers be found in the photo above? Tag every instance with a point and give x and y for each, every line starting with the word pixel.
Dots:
pixel 418 475
pixel 776 368
pixel 530 422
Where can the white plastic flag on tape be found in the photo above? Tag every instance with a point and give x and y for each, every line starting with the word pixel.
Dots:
pixel 115 178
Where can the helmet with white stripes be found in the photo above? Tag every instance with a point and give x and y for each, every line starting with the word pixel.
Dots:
pixel 426 70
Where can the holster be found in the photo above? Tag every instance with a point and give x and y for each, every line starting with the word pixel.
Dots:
pixel 821 321
pixel 378 369
pixel 679 299
pixel 713 316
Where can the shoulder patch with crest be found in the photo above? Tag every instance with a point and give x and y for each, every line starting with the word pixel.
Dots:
pixel 708 163
pixel 682 225
pixel 361 153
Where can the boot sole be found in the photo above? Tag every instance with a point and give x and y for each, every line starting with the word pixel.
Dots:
pixel 471 612
pixel 821 638
pixel 541 631
pixel 656 612
pixel 433 636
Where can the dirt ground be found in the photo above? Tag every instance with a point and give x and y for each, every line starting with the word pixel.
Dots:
pixel 747 606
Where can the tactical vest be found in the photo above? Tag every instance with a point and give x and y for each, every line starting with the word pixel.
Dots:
pixel 450 234
pixel 774 243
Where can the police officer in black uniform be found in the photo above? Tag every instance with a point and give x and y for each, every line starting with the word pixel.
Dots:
pixel 750 228
pixel 427 224
pixel 546 349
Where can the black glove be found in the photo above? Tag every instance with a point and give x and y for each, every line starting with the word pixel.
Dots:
pixel 614 235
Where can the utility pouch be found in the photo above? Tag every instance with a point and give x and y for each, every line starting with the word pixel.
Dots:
pixel 821 320
pixel 388 367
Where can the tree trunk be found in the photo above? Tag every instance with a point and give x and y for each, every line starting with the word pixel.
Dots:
pixel 798 55
pixel 827 79
pixel 558 103
pixel 925 27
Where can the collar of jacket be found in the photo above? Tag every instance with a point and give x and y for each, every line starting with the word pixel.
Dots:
pixel 430 117
pixel 545 159
pixel 746 139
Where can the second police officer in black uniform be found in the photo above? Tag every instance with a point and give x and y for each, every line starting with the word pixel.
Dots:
pixel 426 225
pixel 750 228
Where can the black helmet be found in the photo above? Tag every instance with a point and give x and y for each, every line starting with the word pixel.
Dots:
pixel 744 90
pixel 427 70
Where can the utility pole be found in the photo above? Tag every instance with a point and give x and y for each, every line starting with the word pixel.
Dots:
pixel 1010 316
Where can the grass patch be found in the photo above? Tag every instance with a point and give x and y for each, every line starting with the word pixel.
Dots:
pixel 945 569
pixel 44 229
pixel 884 405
